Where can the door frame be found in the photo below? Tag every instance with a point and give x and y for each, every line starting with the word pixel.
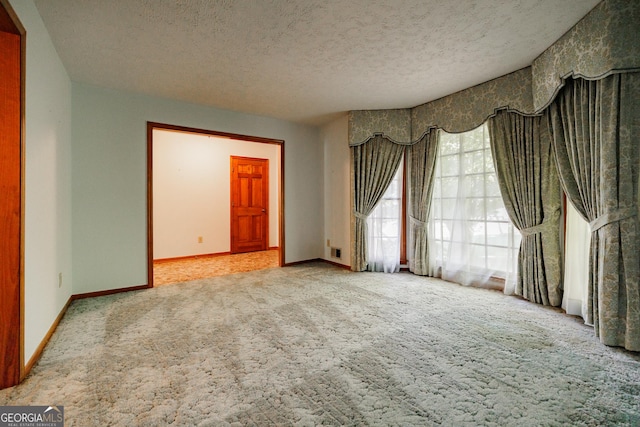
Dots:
pixel 164 126
pixel 12 370
pixel 265 186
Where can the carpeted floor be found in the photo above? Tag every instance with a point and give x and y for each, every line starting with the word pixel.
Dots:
pixel 186 269
pixel 314 344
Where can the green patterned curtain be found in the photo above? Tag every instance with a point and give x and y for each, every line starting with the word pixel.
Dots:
pixel 530 188
pixel 421 160
pixel 374 164
pixel 596 136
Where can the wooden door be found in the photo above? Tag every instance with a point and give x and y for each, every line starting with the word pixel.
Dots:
pixel 10 205
pixel 249 204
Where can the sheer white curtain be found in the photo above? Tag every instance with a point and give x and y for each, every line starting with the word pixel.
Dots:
pixel 473 240
pixel 384 226
pixel 576 265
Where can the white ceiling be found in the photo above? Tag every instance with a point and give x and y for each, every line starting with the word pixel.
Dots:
pixel 302 60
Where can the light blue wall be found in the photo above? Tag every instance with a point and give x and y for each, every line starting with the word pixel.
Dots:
pixel 109 180
pixel 86 180
pixel 47 180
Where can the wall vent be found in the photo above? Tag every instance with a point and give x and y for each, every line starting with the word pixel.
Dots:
pixel 336 253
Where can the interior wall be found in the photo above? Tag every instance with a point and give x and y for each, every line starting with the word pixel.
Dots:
pixel 109 180
pixel 191 191
pixel 337 189
pixel 47 181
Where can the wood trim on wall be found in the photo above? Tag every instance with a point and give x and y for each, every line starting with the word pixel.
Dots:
pixel 9 22
pixel 38 353
pixel 12 134
pixel 337 264
pixel 164 126
pixel 109 292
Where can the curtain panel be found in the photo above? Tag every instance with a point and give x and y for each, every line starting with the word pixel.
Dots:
pixel 530 188
pixel 596 131
pixel 374 164
pixel 421 161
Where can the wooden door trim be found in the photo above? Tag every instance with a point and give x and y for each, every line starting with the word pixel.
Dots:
pixel 164 126
pixel 10 23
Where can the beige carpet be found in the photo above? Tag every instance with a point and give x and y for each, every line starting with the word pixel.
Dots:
pixel 315 344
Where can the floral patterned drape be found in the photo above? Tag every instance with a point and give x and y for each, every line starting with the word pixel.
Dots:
pixel 373 165
pixel 596 131
pixel 421 160
pixel 530 189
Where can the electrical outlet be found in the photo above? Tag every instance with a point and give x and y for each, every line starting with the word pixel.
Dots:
pixel 199 239
pixel 328 243
pixel 59 280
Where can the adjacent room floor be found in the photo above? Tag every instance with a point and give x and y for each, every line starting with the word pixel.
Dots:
pixel 195 268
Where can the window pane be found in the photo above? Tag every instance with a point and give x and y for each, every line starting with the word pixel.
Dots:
pixel 477 259
pixel 473 140
pixel 474 185
pixel 449 143
pixel 437 184
pixel 478 232
pixel 446 230
pixel 449 165
pixel 449 187
pixel 390 227
pixel 497 258
pixel 389 208
pixel 445 250
pixel 384 228
pixel 436 226
pixel 473 162
pixel 448 208
pixel 488 162
pixel 474 208
pixel 436 212
pixel 492 186
pixel 498 233
pixel 496 210
pixel 472 233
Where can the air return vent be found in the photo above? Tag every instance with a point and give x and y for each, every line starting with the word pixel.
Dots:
pixel 336 253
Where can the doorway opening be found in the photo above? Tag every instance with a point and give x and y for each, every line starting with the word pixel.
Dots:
pixel 194 229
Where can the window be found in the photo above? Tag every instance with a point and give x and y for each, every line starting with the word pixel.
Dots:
pixel 384 226
pixel 472 238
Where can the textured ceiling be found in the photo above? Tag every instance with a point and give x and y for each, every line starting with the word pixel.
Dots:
pixel 302 60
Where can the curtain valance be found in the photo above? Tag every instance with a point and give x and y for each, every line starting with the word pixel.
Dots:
pixel 604 42
pixel 394 125
pixel 390 139
pixel 545 101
